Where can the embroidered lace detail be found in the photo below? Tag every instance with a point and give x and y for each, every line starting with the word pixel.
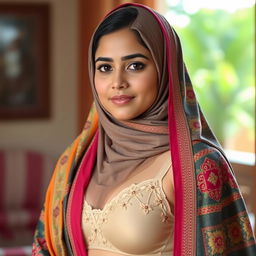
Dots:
pixel 148 194
pixel 147 201
pixel 96 218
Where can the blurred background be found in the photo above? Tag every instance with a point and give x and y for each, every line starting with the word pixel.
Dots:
pixel 39 119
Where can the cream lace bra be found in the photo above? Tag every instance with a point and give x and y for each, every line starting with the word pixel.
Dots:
pixel 137 221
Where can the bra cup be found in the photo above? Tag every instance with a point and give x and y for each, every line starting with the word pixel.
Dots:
pixel 137 221
pixel 87 229
pixel 139 232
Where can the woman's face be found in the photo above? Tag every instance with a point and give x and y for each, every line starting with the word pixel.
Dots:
pixel 125 75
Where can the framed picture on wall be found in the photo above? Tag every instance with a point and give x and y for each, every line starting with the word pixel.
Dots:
pixel 24 61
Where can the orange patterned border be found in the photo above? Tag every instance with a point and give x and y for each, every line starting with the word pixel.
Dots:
pixel 203 153
pixel 218 207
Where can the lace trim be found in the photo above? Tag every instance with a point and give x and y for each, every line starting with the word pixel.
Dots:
pixel 156 198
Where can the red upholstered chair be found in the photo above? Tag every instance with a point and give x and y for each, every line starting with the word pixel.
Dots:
pixel 24 176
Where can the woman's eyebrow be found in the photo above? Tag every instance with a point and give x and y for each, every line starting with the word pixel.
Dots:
pixel 128 57
pixel 135 55
pixel 104 59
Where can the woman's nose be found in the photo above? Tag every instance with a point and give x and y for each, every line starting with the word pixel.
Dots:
pixel 119 81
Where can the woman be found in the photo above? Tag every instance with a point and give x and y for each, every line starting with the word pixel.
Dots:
pixel 146 176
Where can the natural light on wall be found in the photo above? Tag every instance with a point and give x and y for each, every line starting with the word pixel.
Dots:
pixel 218 44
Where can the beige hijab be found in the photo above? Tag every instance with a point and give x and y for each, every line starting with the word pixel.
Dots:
pixel 123 146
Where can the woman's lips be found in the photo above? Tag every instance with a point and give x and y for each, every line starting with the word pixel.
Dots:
pixel 121 99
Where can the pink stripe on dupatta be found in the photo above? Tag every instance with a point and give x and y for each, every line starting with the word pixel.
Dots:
pixel 183 234
pixel 176 161
pixel 74 213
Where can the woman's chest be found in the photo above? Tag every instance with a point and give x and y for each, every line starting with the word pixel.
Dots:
pixel 138 220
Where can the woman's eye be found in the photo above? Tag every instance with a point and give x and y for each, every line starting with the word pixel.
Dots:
pixel 136 66
pixel 104 68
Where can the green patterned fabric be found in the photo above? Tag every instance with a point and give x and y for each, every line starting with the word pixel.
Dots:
pixel 223 225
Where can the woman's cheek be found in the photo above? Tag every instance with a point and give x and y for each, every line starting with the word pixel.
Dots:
pixel 99 86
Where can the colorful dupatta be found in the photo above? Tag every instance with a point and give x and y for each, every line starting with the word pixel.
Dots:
pixel 210 215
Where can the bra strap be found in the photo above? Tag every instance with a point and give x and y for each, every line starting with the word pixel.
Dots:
pixel 166 164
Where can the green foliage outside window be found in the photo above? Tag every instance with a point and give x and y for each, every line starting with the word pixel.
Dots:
pixel 218 49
